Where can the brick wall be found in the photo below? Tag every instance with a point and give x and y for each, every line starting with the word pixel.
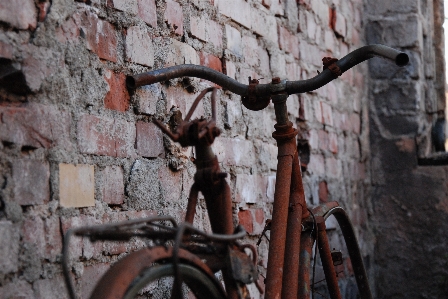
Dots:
pixel 77 148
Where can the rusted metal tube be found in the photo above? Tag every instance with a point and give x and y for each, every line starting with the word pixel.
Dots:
pixel 353 251
pixel 327 261
pixel 306 253
pixel 297 207
pixel 192 202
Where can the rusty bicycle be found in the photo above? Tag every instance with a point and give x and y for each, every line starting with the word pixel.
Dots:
pixel 183 260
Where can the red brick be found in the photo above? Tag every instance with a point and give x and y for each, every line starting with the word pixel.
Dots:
pixel 35 125
pixel 21 14
pixel 90 277
pixel 139 47
pixel 174 16
pixel 211 61
pixel 6 50
pixel 183 100
pixel 323 192
pixel 106 136
pixel 149 140
pixel 31 182
pixel 117 98
pixel 101 37
pixel 245 219
pixel 76 244
pixel 333 142
pixel 288 41
pixel 113 186
pixel 147 12
pixel 44 7
pixel 53 238
pixel 33 234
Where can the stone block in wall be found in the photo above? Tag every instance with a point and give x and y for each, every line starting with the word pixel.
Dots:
pixel 385 69
pixel 147 12
pixel 139 48
pixel 117 98
pixel 113 186
pixel 149 140
pixel 21 14
pixel 130 6
pixel 174 16
pixel 105 136
pixel 391 98
pixel 76 185
pixel 17 289
pixel 101 37
pixel 382 7
pixel 9 247
pixel 406 33
pixel 180 53
pixel 35 125
pixel 198 27
pixel 214 33
pixel 146 98
pixel 31 182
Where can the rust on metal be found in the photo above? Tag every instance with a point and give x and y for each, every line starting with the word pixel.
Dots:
pixel 306 253
pixel 252 101
pixel 325 254
pixel 330 63
pixel 117 279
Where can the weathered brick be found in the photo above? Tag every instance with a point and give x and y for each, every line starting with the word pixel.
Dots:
pixel 264 24
pixel 53 238
pixel 9 247
pixel 250 188
pixel 355 122
pixel 101 37
pixel 341 25
pixel 237 10
pixel 333 142
pixel 323 192
pixel 183 100
pixel 70 29
pixel 327 114
pixel 245 219
pixel 174 16
pixel 18 289
pixel 90 278
pixel 317 165
pixel 130 6
pixel 197 27
pixel 250 50
pixel 270 189
pixel 181 53
pixel 21 14
pixel 51 288
pixel 214 33
pixel 113 186
pixel 31 182
pixel 147 12
pixel 139 47
pixel 6 50
pixel 33 234
pixel 146 98
pixel 149 140
pixel 76 185
pixel 333 167
pixel 105 136
pixel 234 41
pixel 210 61
pixel 323 140
pixel 288 41
pixel 117 98
pixel 233 151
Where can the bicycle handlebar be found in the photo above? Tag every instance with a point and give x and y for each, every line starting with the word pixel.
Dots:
pixel 261 90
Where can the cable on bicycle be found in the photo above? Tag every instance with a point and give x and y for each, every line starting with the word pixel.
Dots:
pixel 315 250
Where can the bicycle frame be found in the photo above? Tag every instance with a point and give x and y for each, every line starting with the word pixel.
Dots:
pixel 289 247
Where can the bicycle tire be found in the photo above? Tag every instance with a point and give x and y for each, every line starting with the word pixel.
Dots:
pixel 200 284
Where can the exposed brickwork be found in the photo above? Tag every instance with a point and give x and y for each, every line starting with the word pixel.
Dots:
pixel 76 129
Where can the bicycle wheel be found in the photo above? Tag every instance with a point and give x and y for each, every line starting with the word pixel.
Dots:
pixel 149 273
pixel 157 282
